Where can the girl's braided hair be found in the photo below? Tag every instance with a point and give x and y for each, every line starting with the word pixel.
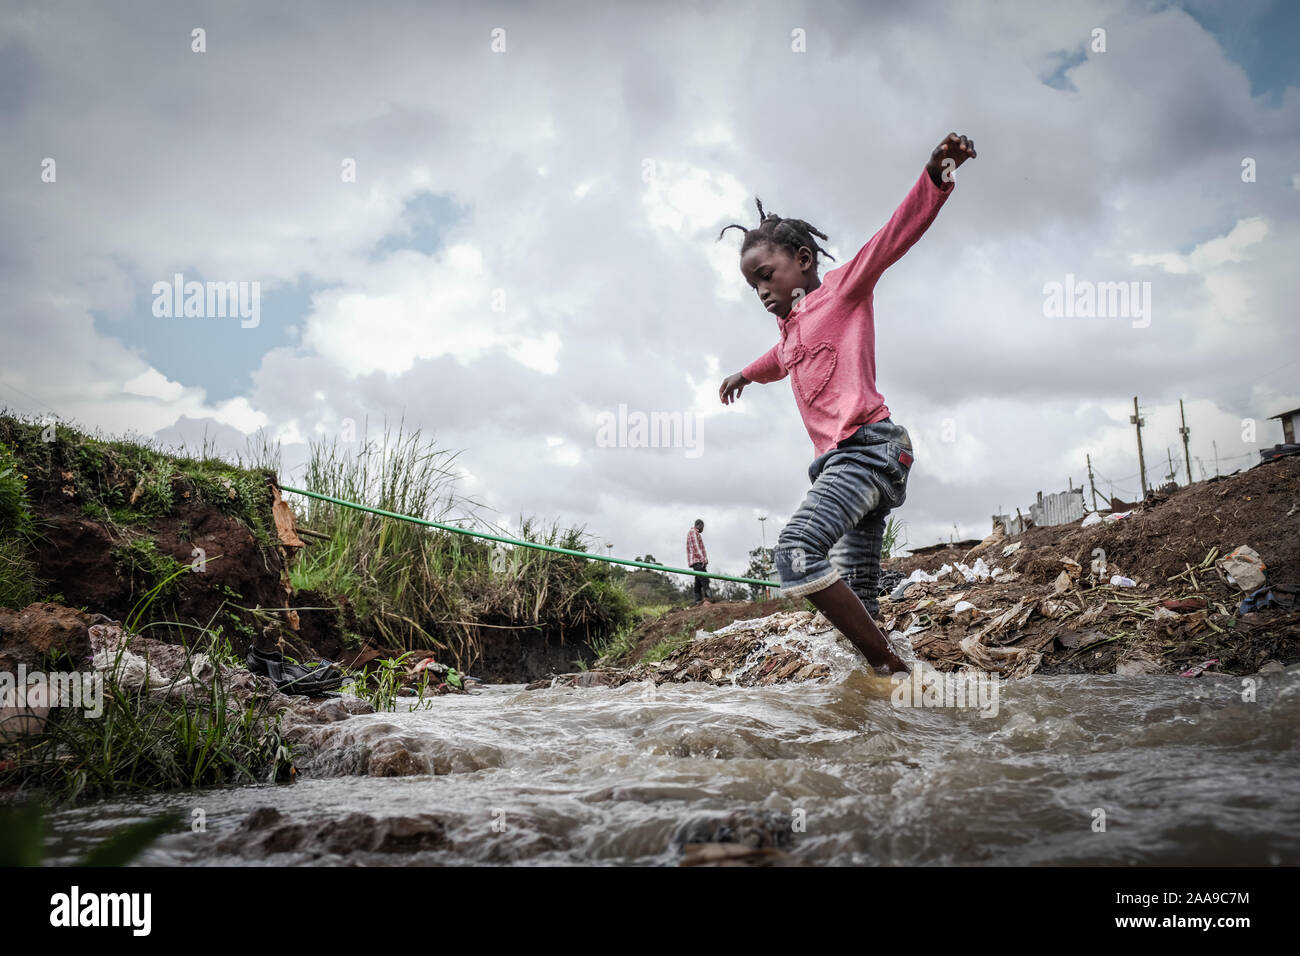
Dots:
pixel 784 233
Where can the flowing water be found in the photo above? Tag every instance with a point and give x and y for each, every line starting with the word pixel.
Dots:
pixel 1063 770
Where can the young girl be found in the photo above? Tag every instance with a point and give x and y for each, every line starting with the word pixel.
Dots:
pixel 829 551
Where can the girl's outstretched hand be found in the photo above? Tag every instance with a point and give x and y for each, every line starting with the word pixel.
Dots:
pixel 956 148
pixel 731 388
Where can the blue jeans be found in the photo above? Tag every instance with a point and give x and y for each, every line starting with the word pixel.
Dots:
pixel 840 526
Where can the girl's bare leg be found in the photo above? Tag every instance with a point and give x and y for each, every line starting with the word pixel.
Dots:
pixel 845 610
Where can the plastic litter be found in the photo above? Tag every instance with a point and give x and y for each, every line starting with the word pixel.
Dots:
pixel 1198 669
pixel 292 678
pixel 1091 520
pixel 1243 568
pixel 979 571
pixel 1186 604
pixel 1276 595
pixel 963 612
pixel 1120 581
pixel 24 710
pixel 889 580
pixel 901 591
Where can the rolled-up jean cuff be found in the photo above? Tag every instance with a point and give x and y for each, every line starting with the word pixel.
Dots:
pixel 808 587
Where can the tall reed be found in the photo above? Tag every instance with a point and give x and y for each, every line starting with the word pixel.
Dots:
pixel 423 588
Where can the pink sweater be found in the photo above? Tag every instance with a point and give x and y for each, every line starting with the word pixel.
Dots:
pixel 829 343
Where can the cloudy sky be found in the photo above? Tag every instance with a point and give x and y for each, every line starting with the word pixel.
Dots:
pixel 528 240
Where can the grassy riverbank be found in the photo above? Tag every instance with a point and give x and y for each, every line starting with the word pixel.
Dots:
pixel 184 549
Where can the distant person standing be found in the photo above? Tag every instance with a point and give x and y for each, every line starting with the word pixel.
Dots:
pixel 698 559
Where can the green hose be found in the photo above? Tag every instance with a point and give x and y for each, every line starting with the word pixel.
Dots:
pixel 528 544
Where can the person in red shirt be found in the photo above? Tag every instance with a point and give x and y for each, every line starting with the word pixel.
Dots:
pixel 828 350
pixel 697 559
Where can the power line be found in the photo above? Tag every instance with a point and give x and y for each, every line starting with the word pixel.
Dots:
pixel 40 404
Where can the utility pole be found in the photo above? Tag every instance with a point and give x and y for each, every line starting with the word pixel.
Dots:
pixel 761 523
pixel 1092 484
pixel 1216 458
pixel 1186 433
pixel 1138 421
pixel 1170 456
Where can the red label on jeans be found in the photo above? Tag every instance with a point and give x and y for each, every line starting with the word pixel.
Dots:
pixel 905 458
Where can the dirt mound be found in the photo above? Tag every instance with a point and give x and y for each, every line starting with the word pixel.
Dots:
pixel 1167 532
pixel 92 565
pixel 44 633
pixel 1180 615
pixel 116 520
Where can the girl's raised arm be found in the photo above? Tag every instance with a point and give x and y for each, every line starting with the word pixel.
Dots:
pixel 908 223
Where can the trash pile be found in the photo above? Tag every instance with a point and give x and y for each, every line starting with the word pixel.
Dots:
pixel 957 572
pixel 1097 517
pixel 1098 618
pixel 1034 615
pixel 788 646
pixel 144 665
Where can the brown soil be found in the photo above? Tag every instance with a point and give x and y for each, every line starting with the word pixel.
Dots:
pixel 41 633
pixel 244 587
pixel 76 560
pixel 96 549
pixel 75 556
pixel 1168 531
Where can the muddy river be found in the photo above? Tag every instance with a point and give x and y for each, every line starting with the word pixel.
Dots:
pixel 1043 770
